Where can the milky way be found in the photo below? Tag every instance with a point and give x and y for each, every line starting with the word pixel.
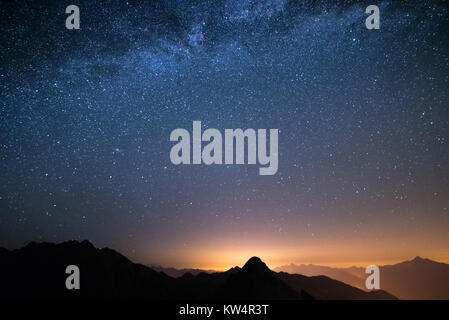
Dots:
pixel 363 119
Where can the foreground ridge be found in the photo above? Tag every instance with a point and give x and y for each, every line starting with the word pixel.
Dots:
pixel 37 271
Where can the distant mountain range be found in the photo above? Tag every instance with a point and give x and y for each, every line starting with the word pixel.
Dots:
pixel 37 271
pixel 176 273
pixel 417 279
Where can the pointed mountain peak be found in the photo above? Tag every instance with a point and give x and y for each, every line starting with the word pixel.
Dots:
pixel 255 265
pixel 418 259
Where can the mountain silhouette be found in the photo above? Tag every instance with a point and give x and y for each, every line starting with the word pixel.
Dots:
pixel 353 276
pixel 37 271
pixel 417 279
pixel 322 287
pixel 205 285
pixel 256 281
pixel 176 273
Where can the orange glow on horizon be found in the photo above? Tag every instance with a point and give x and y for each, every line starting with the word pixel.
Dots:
pixel 214 247
pixel 338 256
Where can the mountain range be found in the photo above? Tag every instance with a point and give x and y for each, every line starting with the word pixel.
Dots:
pixel 176 273
pixel 417 279
pixel 37 271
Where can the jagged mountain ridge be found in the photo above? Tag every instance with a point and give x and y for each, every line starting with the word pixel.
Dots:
pixel 37 271
pixel 176 273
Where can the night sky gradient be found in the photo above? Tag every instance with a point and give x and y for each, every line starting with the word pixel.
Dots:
pixel 363 119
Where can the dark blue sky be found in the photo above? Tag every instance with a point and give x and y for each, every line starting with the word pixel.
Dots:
pixel 362 115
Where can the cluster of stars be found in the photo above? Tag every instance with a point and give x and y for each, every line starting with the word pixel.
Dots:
pixel 86 115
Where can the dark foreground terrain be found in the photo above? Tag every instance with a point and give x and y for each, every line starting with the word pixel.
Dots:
pixel 37 271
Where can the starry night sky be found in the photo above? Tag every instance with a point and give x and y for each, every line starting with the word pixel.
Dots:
pixel 363 119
